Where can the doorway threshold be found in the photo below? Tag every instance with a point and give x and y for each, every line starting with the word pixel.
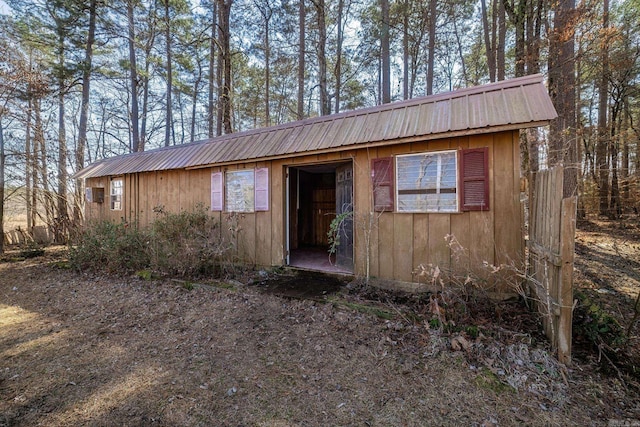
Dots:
pixel 316 259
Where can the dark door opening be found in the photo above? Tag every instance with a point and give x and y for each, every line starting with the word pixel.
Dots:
pixel 317 193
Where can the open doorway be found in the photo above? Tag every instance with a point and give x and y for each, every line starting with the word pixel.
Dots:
pixel 316 195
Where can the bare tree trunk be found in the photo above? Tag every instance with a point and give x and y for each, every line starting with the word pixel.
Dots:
pixel 385 53
pixel 2 157
pixel 168 130
pixel 432 45
pixel 37 135
pixel 145 109
pixel 502 40
pixel 212 55
pixel 224 66
pixel 488 47
pixel 28 160
pixel 582 148
pixel 301 58
pixel 405 50
pixel 534 30
pixel 145 81
pixel 181 111
pixel 602 143
pixel 267 74
pixel 625 155
pixel 325 106
pixel 530 143
pixel 45 191
pixel 133 78
pixel 615 208
pixel 62 203
pixel 62 159
pixel 463 64
pixel 194 103
pixel 338 67
pixel 267 12
pixel 563 149
pixel 220 67
pixel 517 14
pixel 84 110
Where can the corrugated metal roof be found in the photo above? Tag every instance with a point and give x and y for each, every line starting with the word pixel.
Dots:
pixel 510 104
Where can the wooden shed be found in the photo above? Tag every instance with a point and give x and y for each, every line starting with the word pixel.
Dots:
pixel 404 177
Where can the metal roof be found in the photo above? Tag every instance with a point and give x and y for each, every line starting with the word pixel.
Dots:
pixel 506 105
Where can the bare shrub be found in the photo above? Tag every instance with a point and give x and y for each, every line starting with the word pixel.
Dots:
pixel 176 244
pixel 109 247
pixel 467 285
pixel 470 275
pixel 185 244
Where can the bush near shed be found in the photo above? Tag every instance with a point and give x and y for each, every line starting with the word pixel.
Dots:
pixel 177 244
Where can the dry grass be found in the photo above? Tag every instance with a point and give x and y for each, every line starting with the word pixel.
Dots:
pixel 89 350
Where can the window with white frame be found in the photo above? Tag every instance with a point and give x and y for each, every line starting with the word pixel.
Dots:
pixel 427 182
pixel 240 190
pixel 244 190
pixel 116 192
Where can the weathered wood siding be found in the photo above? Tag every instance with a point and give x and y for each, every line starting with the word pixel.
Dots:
pixel 398 242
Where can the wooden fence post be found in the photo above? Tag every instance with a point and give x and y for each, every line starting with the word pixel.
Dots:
pixel 565 290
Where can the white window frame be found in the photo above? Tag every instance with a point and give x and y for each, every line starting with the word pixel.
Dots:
pixel 239 191
pixel 223 198
pixel 116 193
pixel 428 196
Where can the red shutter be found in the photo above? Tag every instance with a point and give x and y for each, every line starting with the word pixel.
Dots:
pixel 474 179
pixel 382 179
pixel 261 189
pixel 216 191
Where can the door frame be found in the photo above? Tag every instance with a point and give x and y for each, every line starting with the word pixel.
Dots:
pixel 297 167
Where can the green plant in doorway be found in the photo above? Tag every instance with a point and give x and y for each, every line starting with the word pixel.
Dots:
pixel 335 230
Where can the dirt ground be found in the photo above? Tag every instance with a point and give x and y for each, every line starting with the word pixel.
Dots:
pixel 84 349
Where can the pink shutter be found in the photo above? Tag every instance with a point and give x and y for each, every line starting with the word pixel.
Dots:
pixel 382 179
pixel 216 191
pixel 474 179
pixel 262 189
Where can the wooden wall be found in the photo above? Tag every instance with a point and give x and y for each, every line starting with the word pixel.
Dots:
pixel 398 242
pixel 401 242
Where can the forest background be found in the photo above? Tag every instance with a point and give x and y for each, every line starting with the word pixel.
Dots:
pixel 85 80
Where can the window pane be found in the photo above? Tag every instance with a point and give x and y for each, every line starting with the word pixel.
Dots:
pixel 448 179
pixel 240 191
pixel 116 194
pixel 427 182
